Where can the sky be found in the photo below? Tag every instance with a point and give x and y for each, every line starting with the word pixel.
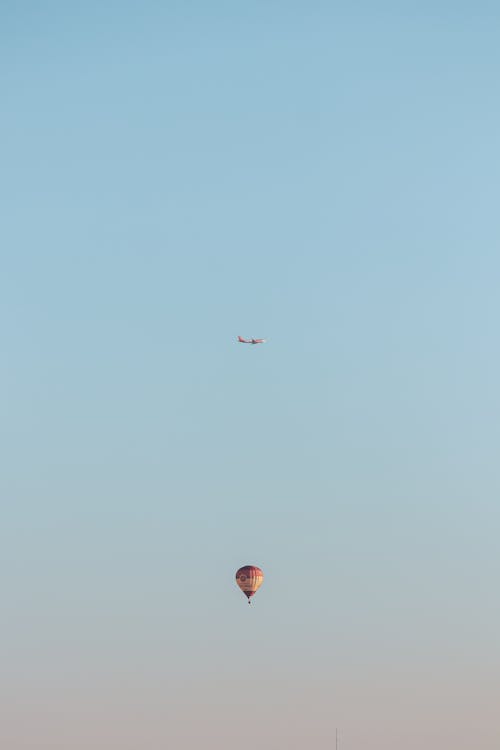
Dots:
pixel 176 174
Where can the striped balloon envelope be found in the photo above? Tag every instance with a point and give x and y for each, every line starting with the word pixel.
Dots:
pixel 249 578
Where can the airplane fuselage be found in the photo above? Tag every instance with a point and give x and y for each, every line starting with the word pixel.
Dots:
pixel 250 341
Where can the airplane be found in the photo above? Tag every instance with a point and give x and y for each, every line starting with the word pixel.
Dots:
pixel 251 341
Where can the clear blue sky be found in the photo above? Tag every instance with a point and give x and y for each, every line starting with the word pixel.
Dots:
pixel 326 175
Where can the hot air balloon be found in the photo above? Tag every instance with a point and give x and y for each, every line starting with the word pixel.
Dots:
pixel 249 578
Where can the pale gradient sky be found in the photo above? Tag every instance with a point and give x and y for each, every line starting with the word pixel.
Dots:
pixel 174 174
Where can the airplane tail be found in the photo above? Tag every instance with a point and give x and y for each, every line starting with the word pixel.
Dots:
pixel 241 340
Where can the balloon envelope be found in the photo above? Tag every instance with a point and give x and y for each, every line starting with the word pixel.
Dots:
pixel 249 578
